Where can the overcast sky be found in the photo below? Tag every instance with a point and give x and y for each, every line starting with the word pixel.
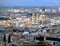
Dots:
pixel 29 2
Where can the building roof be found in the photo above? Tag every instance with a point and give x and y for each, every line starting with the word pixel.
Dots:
pixel 4 18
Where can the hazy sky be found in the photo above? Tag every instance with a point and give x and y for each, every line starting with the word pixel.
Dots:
pixel 29 2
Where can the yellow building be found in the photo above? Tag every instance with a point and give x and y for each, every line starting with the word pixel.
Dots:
pixel 37 18
pixel 43 18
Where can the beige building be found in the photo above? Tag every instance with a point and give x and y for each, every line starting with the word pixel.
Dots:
pixel 39 19
pixel 33 19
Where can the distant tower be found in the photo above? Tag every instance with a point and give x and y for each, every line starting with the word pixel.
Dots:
pixel 33 18
pixel 43 9
pixel 42 17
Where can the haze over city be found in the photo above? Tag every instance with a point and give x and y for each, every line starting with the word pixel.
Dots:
pixel 29 2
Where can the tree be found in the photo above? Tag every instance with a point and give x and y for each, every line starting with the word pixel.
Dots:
pixel 9 37
pixel 4 38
